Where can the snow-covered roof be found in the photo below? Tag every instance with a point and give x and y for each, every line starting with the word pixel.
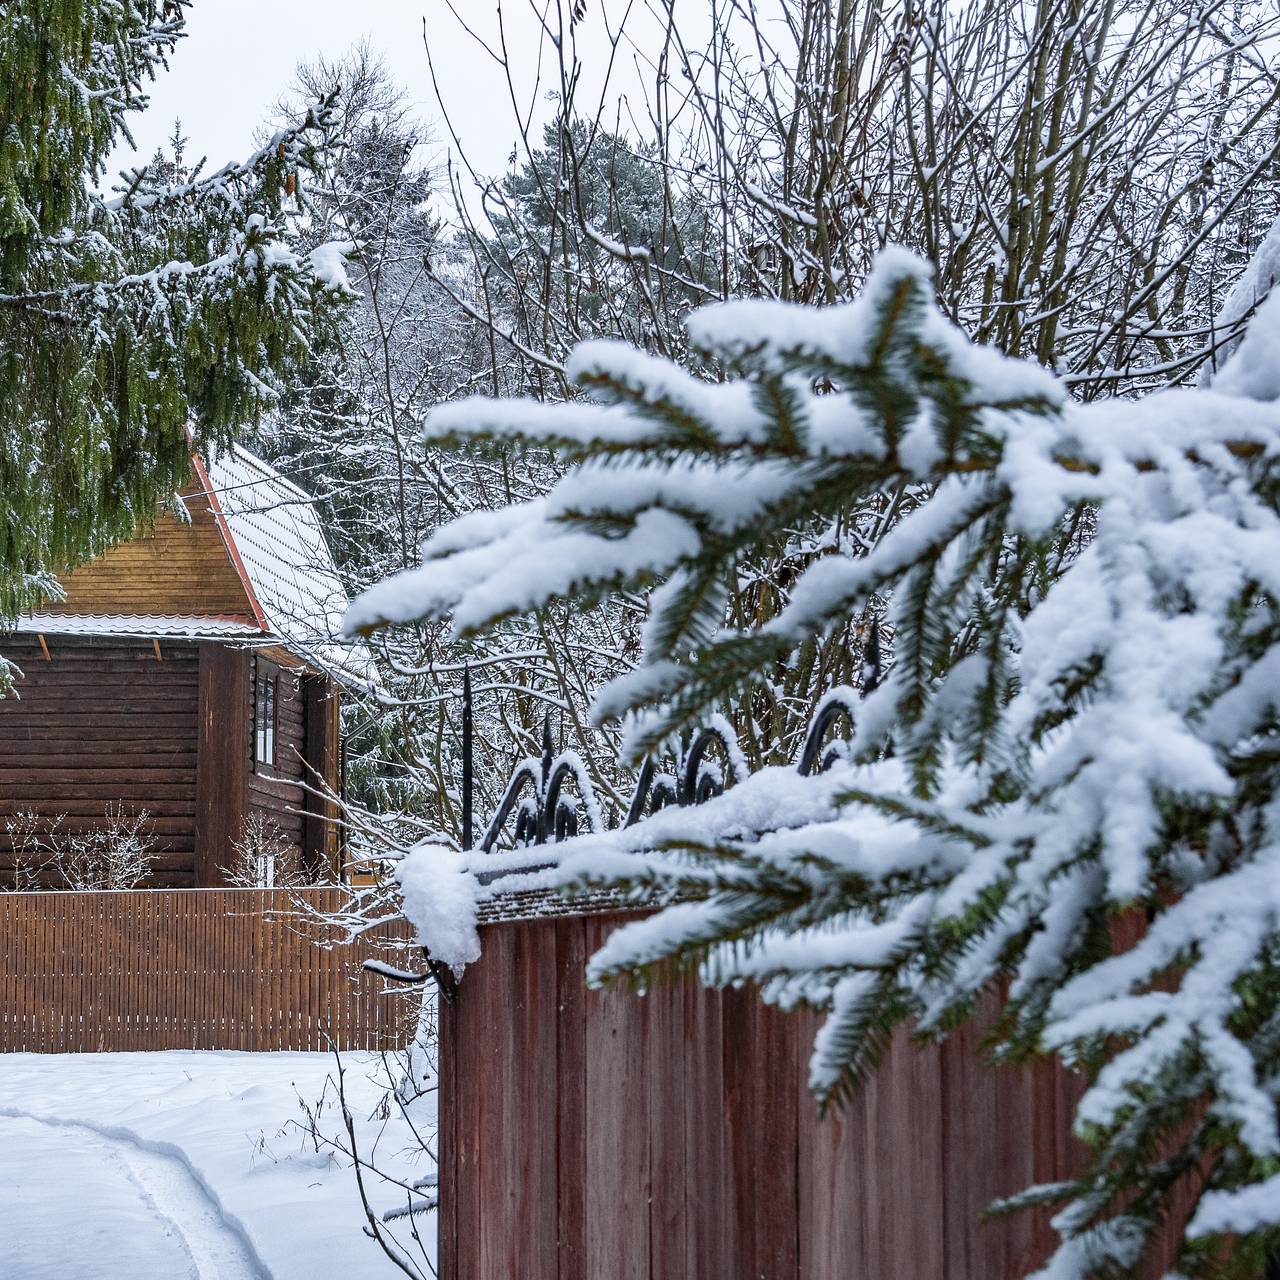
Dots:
pixel 276 540
pixel 135 625
pixel 280 588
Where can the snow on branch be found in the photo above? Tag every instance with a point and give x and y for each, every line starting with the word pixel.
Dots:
pixel 1074 733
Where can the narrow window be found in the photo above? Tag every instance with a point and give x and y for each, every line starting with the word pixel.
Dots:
pixel 264 717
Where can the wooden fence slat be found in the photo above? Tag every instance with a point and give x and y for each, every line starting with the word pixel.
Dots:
pixel 617 1140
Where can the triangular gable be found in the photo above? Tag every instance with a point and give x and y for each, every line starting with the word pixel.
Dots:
pixel 179 569
pixel 252 561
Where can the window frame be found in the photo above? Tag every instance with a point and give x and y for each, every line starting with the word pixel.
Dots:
pixel 266 716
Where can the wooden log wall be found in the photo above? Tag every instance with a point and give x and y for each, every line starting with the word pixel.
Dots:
pixel 101 722
pixel 588 1134
pixel 189 969
pixel 276 792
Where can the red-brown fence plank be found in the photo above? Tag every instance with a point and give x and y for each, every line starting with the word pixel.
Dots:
pixel 666 1080
pixel 617 1157
pixel 571 1077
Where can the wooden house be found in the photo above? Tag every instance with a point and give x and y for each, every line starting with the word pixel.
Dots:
pixel 192 673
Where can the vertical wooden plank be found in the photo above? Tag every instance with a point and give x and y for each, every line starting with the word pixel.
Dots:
pixel 158 976
pixel 127 941
pixel 666 1072
pixel 163 1025
pixel 46 968
pixel 269 972
pixel 314 960
pixel 31 977
pixel 708 1208
pixel 222 984
pixel 324 1002
pixel 617 1155
pixel 446 1144
pixel 761 1134
pixel 831 1224
pixel 257 988
pixel 94 1015
pixel 199 903
pixel 286 976
pixel 81 956
pixel 520 1151
pixel 8 996
pixel 987 1153
pixel 320 754
pixel 98 1014
pixel 222 758
pixel 56 998
pixel 52 920
pixel 172 926
pixel 37 935
pixel 490 1061
pixel 26 967
pixel 11 991
pixel 902 1107
pixel 233 945
pixel 300 948
pixel 571 1070
pixel 470 1212
pixel 168 926
pixel 192 946
pixel 52 994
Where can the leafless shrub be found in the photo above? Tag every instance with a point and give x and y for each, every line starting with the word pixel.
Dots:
pixel 264 857
pixel 117 854
pixel 28 853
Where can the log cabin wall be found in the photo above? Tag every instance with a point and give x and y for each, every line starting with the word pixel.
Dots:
pixel 586 1134
pixel 276 793
pixel 103 721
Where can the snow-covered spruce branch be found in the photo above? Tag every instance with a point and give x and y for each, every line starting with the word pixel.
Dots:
pixel 1076 737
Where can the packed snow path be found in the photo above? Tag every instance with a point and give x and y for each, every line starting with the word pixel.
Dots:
pixel 80 1203
pixel 171 1165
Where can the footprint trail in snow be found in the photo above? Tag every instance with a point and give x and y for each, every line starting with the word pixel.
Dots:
pixel 78 1204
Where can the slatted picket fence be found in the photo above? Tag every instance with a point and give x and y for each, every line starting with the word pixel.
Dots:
pixel 190 969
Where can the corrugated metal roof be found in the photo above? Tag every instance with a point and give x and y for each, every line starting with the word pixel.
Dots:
pixel 275 531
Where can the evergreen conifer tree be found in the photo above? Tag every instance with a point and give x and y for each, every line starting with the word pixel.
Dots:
pixel 126 322
pixel 1064 793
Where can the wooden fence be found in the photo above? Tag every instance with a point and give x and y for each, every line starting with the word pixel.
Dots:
pixel 600 1133
pixel 188 969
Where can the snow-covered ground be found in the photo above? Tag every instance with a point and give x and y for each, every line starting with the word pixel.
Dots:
pixel 169 1166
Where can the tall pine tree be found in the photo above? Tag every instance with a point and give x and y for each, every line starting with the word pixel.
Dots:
pixel 127 322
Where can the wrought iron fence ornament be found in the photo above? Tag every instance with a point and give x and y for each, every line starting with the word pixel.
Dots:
pixel 544 815
pixel 533 792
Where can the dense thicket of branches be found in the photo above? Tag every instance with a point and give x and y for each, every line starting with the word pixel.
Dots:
pixel 1088 179
pixel 1063 740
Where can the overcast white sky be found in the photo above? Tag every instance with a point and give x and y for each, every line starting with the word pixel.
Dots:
pixel 239 56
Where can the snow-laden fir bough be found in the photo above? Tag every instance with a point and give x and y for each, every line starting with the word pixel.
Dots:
pixel 1068 736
